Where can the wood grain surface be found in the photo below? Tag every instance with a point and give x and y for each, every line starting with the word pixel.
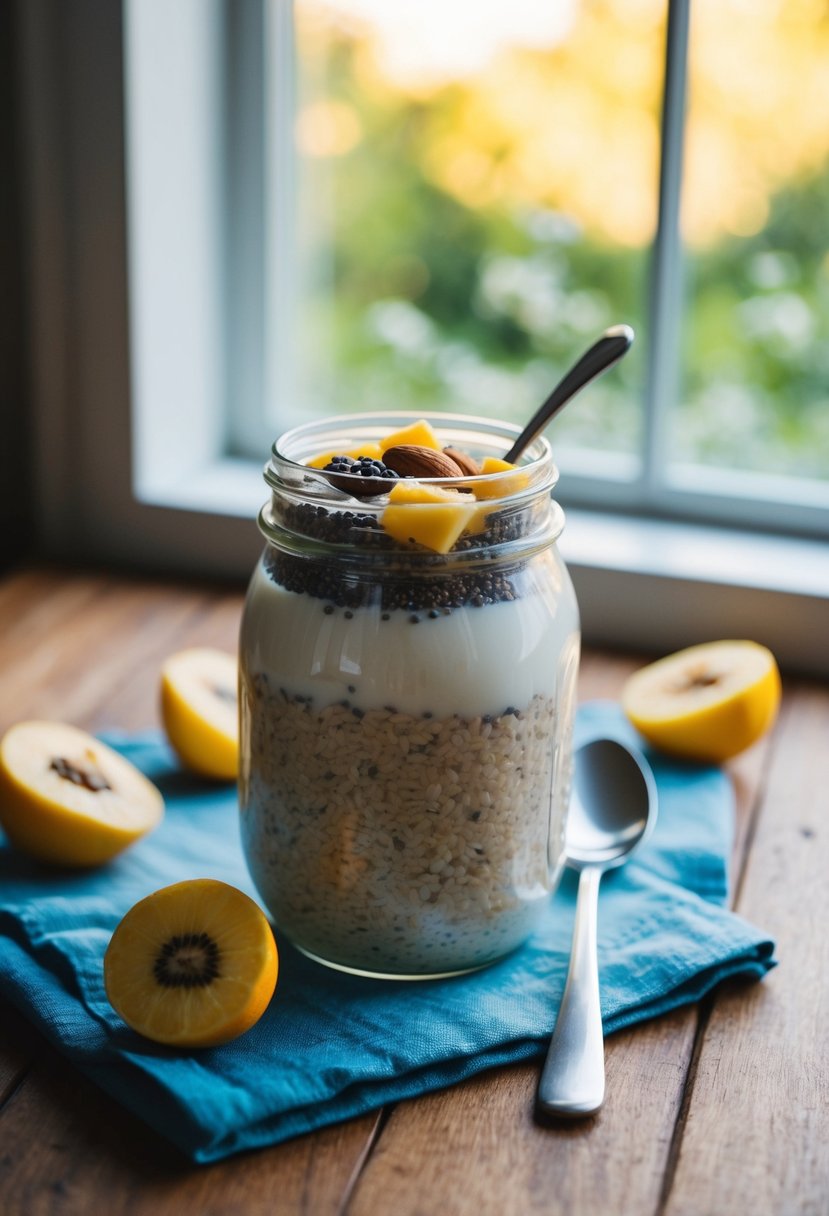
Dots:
pixel 716 1109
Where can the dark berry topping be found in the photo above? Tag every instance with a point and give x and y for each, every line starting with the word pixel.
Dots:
pixel 374 474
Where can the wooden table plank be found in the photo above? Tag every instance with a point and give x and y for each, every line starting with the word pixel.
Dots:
pixel 478 1148
pixel 87 649
pixel 14 1063
pixel 93 637
pixel 756 1136
pixel 66 1147
pixel 212 619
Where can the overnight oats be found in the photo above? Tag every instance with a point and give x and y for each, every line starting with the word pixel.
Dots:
pixel 409 653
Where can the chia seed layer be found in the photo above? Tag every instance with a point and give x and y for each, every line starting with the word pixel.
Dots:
pixel 363 528
pixel 324 580
pixel 398 844
pixel 323 577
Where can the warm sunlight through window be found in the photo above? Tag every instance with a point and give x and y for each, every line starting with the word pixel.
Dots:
pixel 358 205
pixel 477 200
pixel 478 197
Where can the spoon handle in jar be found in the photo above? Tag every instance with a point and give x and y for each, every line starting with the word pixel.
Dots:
pixel 572 1081
pixel 610 347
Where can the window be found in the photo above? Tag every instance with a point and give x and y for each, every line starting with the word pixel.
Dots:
pixel 751 420
pixel 452 250
pixel 276 209
pixel 475 200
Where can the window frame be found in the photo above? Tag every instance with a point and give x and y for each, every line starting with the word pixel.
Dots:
pixel 199 519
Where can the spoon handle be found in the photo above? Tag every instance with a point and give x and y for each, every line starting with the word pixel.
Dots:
pixel 572 1082
pixel 610 347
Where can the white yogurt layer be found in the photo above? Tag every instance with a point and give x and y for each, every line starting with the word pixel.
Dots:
pixel 472 662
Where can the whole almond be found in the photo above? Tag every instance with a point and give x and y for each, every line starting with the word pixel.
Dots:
pixel 466 463
pixel 412 460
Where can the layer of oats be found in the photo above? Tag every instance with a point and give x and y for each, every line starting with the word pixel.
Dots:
pixel 399 844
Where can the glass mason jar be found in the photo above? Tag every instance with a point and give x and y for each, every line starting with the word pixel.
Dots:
pixel 406 713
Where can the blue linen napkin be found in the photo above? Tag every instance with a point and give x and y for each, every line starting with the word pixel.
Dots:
pixel 332 1046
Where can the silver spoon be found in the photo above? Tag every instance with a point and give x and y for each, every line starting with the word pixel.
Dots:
pixel 610 347
pixel 612 810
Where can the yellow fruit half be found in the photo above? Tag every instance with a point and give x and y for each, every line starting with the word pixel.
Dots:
pixel 68 799
pixel 192 965
pixel 200 712
pixel 706 703
pixel 430 515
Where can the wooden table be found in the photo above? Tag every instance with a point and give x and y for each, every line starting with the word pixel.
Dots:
pixel 716 1109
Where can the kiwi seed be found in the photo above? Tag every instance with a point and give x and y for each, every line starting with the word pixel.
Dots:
pixel 187 960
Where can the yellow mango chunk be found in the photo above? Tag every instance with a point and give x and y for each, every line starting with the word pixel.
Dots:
pixel 500 487
pixel 478 522
pixel 430 515
pixel 374 450
pixel 493 464
pixel 419 433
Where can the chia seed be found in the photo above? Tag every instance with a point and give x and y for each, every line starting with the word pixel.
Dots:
pixel 322 576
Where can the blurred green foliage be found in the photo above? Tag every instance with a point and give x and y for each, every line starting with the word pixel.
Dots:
pixel 417 301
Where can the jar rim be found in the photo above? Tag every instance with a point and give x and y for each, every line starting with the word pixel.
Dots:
pixel 291 450
pixel 506 494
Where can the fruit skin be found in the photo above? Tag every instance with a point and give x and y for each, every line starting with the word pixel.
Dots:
pixel 724 723
pixel 172 1015
pixel 59 824
pixel 202 730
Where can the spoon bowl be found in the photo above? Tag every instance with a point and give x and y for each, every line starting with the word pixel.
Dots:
pixel 612 810
pixel 610 807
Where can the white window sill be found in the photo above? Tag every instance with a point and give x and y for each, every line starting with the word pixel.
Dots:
pixel 655 585
pixel 697 553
